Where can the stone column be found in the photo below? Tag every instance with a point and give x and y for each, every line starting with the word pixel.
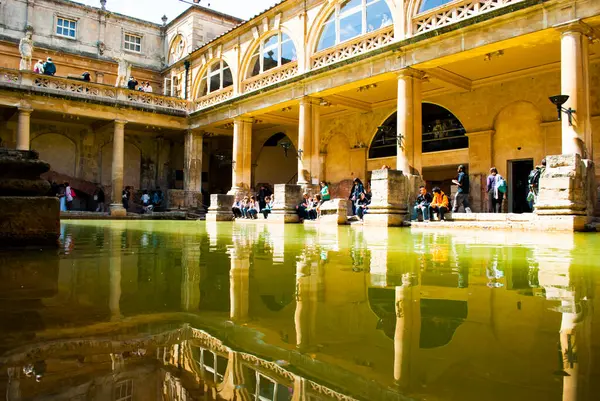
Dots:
pixel 190 286
pixel 239 285
pixel 115 262
pixel 192 173
pixel 389 204
pixel 306 302
pixel 309 165
pixel 242 156
pixel 116 207
pixel 408 328
pixel 409 121
pixel 23 129
pixel 575 82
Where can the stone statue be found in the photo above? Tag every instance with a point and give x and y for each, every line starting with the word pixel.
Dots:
pixel 123 72
pixel 26 50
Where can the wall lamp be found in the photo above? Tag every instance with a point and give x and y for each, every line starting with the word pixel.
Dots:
pixel 286 145
pixel 558 101
pixel 300 151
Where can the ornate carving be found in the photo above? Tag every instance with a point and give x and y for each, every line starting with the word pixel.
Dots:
pixel 317 388
pixel 360 45
pixel 271 77
pixel 271 366
pixel 213 98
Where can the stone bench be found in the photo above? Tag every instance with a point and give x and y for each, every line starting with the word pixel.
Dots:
pixel 335 211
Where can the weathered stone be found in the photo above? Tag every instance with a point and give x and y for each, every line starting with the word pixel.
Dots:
pixel 178 199
pixel 287 197
pixel 220 208
pixel 335 211
pixel 389 204
pixel 29 221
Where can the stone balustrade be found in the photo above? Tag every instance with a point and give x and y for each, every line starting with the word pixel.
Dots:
pixel 271 77
pixel 213 98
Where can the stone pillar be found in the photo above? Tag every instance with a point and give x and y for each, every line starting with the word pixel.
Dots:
pixel 239 285
pixel 190 286
pixel 409 121
pixel 287 196
pixel 389 205
pixel 192 173
pixel 23 129
pixel 309 165
pixel 220 208
pixel 575 82
pixel 242 156
pixel 306 302
pixel 408 328
pixel 116 207
pixel 115 263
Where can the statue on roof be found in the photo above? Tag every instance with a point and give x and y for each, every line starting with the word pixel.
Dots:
pixel 123 71
pixel 26 50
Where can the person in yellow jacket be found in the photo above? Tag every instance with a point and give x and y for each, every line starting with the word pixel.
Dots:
pixel 439 204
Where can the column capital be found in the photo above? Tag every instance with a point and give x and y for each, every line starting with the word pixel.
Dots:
pixel 309 100
pixel 243 119
pixel 576 26
pixel 409 72
pixel 25 109
pixel 120 122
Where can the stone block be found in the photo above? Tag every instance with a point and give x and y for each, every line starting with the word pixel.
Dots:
pixel 220 208
pixel 287 197
pixel 335 211
pixel 389 203
pixel 28 220
pixel 117 210
pixel 175 199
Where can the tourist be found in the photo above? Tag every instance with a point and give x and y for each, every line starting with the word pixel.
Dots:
pixel 244 207
pixel 262 195
pixel 302 206
pixel 268 206
pixel 368 192
pixel 86 77
pixel 462 193
pixel 439 204
pixel 148 88
pixel 69 194
pixel 357 189
pixel 325 195
pixel 132 83
pixel 252 208
pixel 495 195
pixel 125 198
pixel 38 68
pixel 422 204
pixel 142 87
pixel 362 205
pixel 237 208
pixel 312 208
pixel 157 198
pixel 146 207
pixel 534 183
pixel 99 198
pixel 62 198
pixel 49 67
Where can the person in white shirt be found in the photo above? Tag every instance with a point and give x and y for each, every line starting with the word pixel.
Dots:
pixel 69 196
pixel 148 87
pixel 146 202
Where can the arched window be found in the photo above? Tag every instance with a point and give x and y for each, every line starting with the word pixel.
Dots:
pixel 177 49
pixel 427 5
pixel 353 18
pixel 273 52
pixel 217 76
pixel 441 131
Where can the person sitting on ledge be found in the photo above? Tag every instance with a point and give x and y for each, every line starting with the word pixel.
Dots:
pixel 362 204
pixel 146 207
pixel 313 204
pixel 268 206
pixel 252 209
pixel 237 208
pixel 422 204
pixel 439 204
pixel 302 206
pixel 245 203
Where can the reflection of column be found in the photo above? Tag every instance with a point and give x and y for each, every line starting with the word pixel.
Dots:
pixel 239 285
pixel 574 77
pixel 192 175
pixel 242 153
pixel 23 129
pixel 307 281
pixel 408 328
pixel 409 121
pixel 309 165
pixel 13 391
pixel 232 387
pixel 190 286
pixel 114 298
pixel 116 207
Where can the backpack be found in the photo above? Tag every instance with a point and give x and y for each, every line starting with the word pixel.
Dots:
pixel 73 193
pixel 534 177
pixel 501 184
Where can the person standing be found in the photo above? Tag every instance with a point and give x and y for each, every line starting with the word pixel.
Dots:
pixel 357 189
pixel 49 67
pixel 69 196
pixel 148 88
pixel 125 198
pixel 100 198
pixel 494 195
pixel 38 68
pixel 62 198
pixel 534 183
pixel 132 83
pixel 263 193
pixel 462 193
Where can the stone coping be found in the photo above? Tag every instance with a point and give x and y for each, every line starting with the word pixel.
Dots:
pixel 77 215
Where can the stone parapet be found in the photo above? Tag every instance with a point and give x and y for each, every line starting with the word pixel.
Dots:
pixel 220 208
pixel 28 220
pixel 335 211
pixel 391 193
pixel 287 197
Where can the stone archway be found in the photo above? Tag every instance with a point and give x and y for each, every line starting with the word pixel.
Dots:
pixel 57 150
pixel 273 166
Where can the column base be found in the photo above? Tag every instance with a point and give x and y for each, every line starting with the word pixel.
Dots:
pixel 220 208
pixel 287 197
pixel 392 191
pixel 117 210
pixel 335 212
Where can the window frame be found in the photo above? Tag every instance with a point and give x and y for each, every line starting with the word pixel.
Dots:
pixel 259 50
pixel 208 74
pixel 136 36
pixel 128 383
pixel 58 17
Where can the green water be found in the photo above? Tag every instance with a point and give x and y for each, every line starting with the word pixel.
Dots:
pixel 158 310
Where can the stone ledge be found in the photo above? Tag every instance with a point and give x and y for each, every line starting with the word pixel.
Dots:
pixel 524 222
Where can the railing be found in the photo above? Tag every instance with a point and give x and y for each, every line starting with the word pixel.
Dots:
pixel 90 90
pixel 270 77
pixel 213 98
pixel 448 139
pixel 354 47
pixel 454 12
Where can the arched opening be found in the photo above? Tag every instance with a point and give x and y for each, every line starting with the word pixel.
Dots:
pixel 441 131
pixel 351 19
pixel 57 150
pixel 176 49
pixel 277 162
pixel 275 51
pixel 216 77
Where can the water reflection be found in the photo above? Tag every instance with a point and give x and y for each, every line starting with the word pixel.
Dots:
pixel 245 312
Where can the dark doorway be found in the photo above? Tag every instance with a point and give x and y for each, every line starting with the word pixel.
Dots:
pixel 518 186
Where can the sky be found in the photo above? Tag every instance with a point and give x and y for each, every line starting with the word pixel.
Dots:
pixel 153 10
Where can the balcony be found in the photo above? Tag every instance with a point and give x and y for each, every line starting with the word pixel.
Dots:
pixel 89 91
pixel 213 98
pixel 270 77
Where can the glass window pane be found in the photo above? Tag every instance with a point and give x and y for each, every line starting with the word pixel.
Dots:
pixel 215 67
pixel 288 50
pixel 327 38
pixel 271 53
pixel 138 40
pixel 351 7
pixel 255 63
pixel 350 26
pixel 72 24
pixel 266 388
pixel 227 78
pixel 203 87
pixel 284 393
pixel 430 4
pixel 59 30
pixel 215 85
pixel 378 15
